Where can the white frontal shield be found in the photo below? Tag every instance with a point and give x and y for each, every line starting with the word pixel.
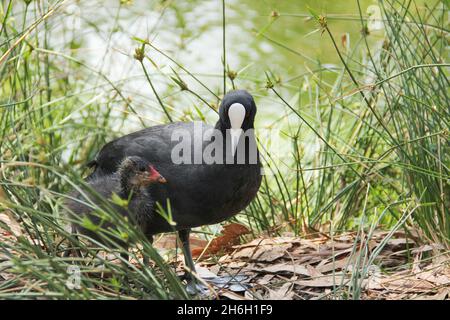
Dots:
pixel 236 114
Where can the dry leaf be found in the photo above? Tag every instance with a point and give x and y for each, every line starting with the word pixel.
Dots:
pixel 169 241
pixel 441 295
pixel 271 253
pixel 245 253
pixel 225 242
pixel 427 247
pixel 237 264
pixel 313 271
pixel 324 281
pixel 204 273
pixel 283 293
pixel 401 242
pixel 269 241
pixel 340 245
pixel 265 279
pixel 407 285
pixel 285 267
pixel 431 277
pixel 334 265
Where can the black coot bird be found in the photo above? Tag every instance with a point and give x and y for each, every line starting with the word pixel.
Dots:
pixel 200 191
pixel 130 183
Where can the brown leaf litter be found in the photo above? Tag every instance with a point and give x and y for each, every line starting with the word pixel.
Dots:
pixel 326 267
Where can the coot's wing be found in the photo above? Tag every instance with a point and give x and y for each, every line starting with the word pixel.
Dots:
pixel 154 144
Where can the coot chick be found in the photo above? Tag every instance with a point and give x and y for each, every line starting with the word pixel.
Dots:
pixel 199 193
pixel 130 183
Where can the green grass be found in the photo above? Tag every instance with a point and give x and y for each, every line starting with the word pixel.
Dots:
pixel 367 141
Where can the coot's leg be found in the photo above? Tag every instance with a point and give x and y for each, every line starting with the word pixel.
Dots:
pixel 186 247
pixel 193 286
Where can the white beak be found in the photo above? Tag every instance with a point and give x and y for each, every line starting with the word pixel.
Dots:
pixel 236 114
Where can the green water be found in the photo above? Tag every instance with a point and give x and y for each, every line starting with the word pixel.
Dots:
pixel 293 34
pixel 275 37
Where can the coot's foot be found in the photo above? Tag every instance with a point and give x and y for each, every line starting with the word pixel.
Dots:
pixel 194 287
pixel 233 283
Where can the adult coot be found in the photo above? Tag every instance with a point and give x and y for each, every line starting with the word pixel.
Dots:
pixel 212 172
pixel 130 183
